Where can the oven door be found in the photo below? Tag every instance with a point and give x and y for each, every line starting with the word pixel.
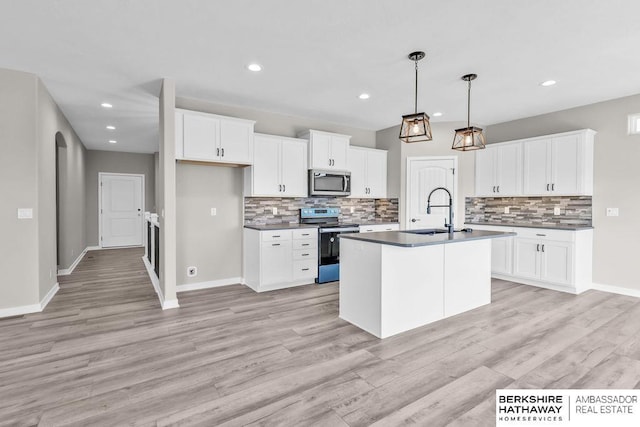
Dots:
pixel 329 252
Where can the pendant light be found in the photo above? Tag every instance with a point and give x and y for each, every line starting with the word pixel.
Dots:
pixel 471 137
pixel 415 127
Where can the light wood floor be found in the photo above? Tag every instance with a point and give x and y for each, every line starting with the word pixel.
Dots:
pixel 104 353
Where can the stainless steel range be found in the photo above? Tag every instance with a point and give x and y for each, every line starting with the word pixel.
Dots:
pixel 329 231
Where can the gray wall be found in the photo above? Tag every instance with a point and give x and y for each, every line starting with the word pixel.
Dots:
pixel 280 124
pixel 211 243
pixel 29 122
pixel 616 178
pixel 440 146
pixel 214 244
pixel 115 162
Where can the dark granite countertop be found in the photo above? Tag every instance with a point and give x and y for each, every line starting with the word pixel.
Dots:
pixel 548 227
pixel 281 226
pixel 404 239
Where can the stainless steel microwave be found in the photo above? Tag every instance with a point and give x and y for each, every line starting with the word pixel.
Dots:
pixel 329 183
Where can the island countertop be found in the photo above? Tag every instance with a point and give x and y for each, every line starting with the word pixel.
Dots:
pixel 408 239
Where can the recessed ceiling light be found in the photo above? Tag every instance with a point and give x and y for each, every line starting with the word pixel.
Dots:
pixel 106 105
pixel 112 141
pixel 254 67
pixel 364 96
pixel 111 127
pixel 437 114
pixel 548 83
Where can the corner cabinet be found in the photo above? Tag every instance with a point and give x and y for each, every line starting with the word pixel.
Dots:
pixel 276 259
pixel 327 151
pixel 207 137
pixel 368 169
pixel 499 170
pixel 279 167
pixel 554 259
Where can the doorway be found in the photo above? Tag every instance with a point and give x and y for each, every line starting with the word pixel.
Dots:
pixel 61 169
pixel 121 203
pixel 423 175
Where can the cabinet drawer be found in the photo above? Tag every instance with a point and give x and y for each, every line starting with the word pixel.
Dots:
pixel 305 269
pixel 305 233
pixel 276 235
pixel 305 244
pixel 300 254
pixel 545 234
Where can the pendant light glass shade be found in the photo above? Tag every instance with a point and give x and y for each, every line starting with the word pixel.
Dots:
pixel 471 137
pixel 415 127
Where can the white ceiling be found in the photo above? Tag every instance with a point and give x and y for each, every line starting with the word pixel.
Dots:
pixel 318 56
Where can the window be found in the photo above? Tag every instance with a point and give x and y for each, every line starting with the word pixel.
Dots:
pixel 634 124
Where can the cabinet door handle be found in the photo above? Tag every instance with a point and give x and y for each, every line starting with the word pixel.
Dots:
pixel 275 244
pixel 279 187
pixel 305 254
pixel 553 187
pixel 494 189
pixel 305 234
pixel 547 187
pixel 329 162
pixel 275 237
pixel 542 248
pixel 217 152
pixel 498 189
pixel 305 244
pixel 284 188
pixel 538 247
pixel 305 269
pixel 223 152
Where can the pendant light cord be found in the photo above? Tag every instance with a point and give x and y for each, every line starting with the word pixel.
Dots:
pixel 469 104
pixel 415 98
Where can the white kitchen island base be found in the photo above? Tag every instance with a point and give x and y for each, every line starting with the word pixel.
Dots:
pixel 387 289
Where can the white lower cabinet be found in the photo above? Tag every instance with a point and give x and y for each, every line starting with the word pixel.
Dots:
pixel 392 226
pixel 276 259
pixel 555 259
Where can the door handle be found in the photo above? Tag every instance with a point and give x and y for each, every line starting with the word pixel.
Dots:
pixel 284 188
pixel 542 248
pixel 553 187
pixel 217 152
pixel 223 152
pixel 494 189
pixel 414 220
pixel 547 187
pixel 275 244
pixel 498 189
pixel 538 247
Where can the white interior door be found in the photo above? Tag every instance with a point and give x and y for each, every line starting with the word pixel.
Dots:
pixel 423 176
pixel 121 207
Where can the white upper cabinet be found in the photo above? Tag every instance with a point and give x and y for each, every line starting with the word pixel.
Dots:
pixel 279 167
pixel 559 164
pixel 328 151
pixel 368 169
pixel 212 138
pixel 499 170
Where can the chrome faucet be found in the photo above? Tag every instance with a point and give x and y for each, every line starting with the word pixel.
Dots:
pixel 450 206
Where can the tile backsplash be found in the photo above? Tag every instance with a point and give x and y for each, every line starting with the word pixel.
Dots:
pixel 574 210
pixel 259 210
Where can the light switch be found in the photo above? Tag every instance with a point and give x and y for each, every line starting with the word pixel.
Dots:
pixel 612 212
pixel 25 213
pixel 214 211
pixel 556 211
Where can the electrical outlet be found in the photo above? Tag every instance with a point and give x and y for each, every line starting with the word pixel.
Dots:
pixel 612 212
pixel 353 209
pixel 274 211
pixel 214 211
pixel 506 209
pixel 192 271
pixel 556 211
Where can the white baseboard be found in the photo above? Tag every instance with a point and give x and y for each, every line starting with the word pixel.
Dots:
pixel 93 248
pixel 616 290
pixel 209 284
pixel 33 308
pixel 67 271
pixel 18 311
pixel 568 289
pixel 47 298
pixel 166 304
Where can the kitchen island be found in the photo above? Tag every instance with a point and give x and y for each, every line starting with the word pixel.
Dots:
pixel 394 281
